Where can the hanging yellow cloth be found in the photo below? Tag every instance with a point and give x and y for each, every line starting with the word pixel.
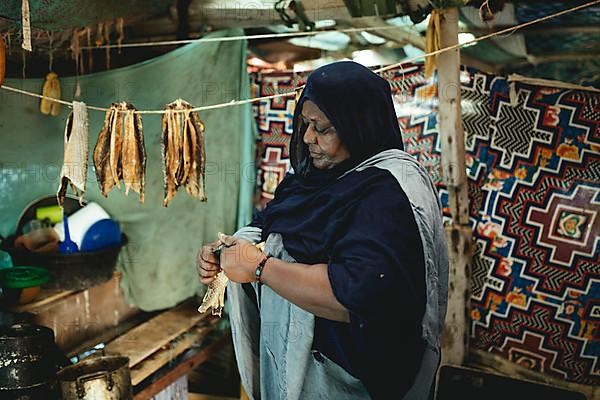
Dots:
pixel 51 89
pixel 433 41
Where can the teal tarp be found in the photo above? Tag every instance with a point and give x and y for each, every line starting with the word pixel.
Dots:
pixel 159 264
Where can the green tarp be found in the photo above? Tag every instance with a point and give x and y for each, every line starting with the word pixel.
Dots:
pixel 159 264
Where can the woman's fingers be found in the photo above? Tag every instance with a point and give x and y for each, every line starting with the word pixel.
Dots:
pixel 207 276
pixel 207 253
pixel 227 240
pixel 207 264
pixel 207 280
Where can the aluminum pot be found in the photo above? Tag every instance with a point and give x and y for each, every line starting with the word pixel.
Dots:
pixel 97 377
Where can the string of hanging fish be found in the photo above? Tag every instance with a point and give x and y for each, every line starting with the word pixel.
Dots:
pixel 119 155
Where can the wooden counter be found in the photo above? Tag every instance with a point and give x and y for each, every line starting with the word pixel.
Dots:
pixel 161 346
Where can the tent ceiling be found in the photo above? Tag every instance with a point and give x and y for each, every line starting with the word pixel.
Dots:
pixel 55 15
pixel 565 48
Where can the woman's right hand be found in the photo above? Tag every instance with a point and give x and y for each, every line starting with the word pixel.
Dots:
pixel 207 263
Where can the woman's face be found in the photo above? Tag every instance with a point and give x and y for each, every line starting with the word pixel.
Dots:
pixel 324 144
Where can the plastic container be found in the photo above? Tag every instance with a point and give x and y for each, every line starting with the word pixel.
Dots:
pixel 20 285
pixel 52 214
pixel 75 271
pixel 80 221
pixel 102 234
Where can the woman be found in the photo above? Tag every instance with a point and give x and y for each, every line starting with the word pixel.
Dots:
pixel 354 271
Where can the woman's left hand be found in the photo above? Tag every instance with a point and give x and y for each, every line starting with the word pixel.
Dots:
pixel 239 259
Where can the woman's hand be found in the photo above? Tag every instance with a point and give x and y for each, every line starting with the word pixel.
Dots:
pixel 239 259
pixel 207 263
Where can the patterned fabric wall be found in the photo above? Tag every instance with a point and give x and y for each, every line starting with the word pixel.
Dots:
pixel 533 159
pixel 274 121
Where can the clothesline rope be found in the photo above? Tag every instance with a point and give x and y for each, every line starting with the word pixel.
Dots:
pixel 292 93
pixel 242 37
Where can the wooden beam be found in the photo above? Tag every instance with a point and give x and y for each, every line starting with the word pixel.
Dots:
pixel 181 369
pixel 399 34
pixel 147 338
pixel 168 353
pixel 534 59
pixel 109 334
pixel 534 29
pixel 550 83
pixel 455 179
pixel 46 296
pixel 450 121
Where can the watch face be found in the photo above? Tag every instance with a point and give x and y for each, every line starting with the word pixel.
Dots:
pixel 260 267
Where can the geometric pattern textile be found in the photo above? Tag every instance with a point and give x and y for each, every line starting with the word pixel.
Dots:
pixel 533 164
pixel 274 121
pixel 536 280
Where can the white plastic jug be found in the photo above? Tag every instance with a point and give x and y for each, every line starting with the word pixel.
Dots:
pixel 80 221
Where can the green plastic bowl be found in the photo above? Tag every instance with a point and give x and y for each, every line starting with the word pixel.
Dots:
pixel 20 285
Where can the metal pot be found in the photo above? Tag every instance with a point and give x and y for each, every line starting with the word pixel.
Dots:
pixel 29 360
pixel 101 377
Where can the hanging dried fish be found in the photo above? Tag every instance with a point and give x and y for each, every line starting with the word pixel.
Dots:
pixel 74 169
pixel 183 151
pixel 120 152
pixel 2 60
pixel 120 33
pixel 115 145
pixel 102 152
pixel 100 34
pixel 90 53
pixel 169 153
pixel 107 25
pixel 195 183
pixel 133 154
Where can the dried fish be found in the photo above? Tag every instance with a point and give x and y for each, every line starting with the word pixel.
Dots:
pixel 214 298
pixel 115 145
pixel 133 154
pixel 74 169
pixel 168 150
pixel 121 156
pixel 2 60
pixel 102 153
pixel 195 184
pixel 183 151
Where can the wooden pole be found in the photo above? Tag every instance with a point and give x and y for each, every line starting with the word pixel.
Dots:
pixel 456 334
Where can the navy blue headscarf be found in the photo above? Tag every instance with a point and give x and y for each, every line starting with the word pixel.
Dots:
pixel 359 105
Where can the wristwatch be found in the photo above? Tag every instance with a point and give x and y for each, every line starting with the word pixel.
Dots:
pixel 260 267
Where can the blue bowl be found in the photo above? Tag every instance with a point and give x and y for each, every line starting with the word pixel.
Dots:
pixel 102 234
